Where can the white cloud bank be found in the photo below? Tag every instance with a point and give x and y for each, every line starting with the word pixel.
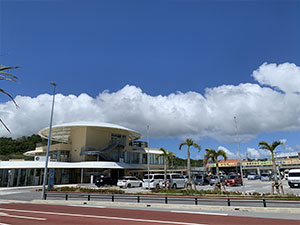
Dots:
pixel 252 153
pixel 257 108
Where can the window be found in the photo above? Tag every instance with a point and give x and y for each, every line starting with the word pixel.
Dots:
pixel 159 176
pixel 294 174
pixel 118 139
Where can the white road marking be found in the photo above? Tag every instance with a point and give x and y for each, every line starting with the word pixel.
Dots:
pixel 4 224
pixel 101 217
pixel 21 217
pixel 92 206
pixel 8 192
pixel 204 213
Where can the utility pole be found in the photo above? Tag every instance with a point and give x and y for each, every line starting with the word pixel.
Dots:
pixel 239 153
pixel 48 145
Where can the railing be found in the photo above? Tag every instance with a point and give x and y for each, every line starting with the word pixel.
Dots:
pixel 165 199
pixel 142 144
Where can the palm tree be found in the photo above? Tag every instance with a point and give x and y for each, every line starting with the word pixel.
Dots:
pixel 212 155
pixel 190 143
pixel 167 156
pixel 271 148
pixel 9 77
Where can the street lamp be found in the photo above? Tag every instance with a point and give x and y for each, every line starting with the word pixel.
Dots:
pixel 239 153
pixel 48 145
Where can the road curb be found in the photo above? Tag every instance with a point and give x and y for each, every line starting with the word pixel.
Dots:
pixel 171 206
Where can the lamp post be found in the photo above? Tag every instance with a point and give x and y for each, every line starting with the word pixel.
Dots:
pixel 239 153
pixel 148 157
pixel 48 145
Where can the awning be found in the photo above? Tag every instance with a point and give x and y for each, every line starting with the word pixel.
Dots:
pixel 67 165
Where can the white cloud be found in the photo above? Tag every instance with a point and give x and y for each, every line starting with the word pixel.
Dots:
pixel 286 146
pixel 285 77
pixel 258 109
pixel 257 154
pixel 230 155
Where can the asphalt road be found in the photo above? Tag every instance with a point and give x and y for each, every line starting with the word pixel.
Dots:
pixel 56 214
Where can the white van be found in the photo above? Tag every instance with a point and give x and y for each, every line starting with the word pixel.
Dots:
pixel 294 178
pixel 153 181
pixel 174 180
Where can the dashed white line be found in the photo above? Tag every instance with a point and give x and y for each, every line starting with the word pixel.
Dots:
pixel 102 217
pixel 202 213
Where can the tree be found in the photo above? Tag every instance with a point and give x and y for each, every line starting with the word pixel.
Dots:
pixel 4 75
pixel 271 148
pixel 212 155
pixel 190 143
pixel 167 156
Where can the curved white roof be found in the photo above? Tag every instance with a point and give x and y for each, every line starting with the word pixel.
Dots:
pixel 90 164
pixel 62 132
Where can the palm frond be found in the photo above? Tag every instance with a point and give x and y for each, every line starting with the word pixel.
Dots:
pixel 10 75
pixel 4 92
pixel 264 145
pixel 5 126
pixel 222 153
pixel 171 155
pixel 182 144
pixel 8 67
pixel 210 155
pixel 197 146
pixel 275 144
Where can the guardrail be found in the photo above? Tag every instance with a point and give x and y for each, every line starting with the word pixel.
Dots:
pixel 191 200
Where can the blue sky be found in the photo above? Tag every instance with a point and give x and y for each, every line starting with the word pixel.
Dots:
pixel 172 55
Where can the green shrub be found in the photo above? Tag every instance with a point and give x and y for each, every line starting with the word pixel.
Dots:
pixel 86 190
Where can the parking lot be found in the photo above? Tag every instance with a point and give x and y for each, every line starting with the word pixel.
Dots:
pixel 250 186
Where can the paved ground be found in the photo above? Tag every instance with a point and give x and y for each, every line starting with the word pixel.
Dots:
pixel 57 214
pixel 250 186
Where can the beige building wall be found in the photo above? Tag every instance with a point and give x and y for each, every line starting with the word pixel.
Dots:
pixel 78 139
pixel 97 137
pixel 82 137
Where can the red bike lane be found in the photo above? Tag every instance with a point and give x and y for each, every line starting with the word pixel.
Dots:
pixel 23 214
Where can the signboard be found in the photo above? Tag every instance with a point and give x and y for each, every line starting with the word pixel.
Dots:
pixel 257 163
pixel 51 179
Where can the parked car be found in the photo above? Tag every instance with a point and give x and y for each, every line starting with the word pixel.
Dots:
pixel 234 180
pixel 252 176
pixel 104 180
pixel 153 181
pixel 265 177
pixel 294 178
pixel 129 181
pixel 174 181
pixel 201 179
pixel 213 179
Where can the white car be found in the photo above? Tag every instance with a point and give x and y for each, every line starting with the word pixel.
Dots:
pixel 294 178
pixel 129 181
